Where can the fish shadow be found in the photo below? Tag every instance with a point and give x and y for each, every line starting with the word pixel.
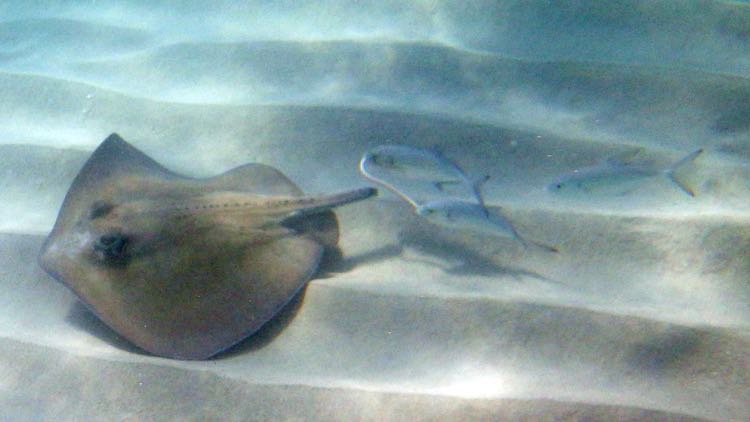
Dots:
pixel 734 115
pixel 465 262
pixel 668 351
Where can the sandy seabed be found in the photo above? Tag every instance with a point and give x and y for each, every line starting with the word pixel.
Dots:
pixel 643 315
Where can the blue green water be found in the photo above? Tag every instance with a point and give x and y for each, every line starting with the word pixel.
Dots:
pixel 646 308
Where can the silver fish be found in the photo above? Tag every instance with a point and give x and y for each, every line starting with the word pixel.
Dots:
pixel 617 177
pixel 465 215
pixel 418 164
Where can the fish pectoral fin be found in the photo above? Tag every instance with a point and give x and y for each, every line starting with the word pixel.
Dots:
pixel 437 150
pixel 627 192
pixel 440 185
pixel 477 182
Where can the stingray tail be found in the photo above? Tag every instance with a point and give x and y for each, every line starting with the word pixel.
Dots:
pixel 306 206
pixel 671 172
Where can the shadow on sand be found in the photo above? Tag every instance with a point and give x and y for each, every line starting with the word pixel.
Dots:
pixel 460 259
pixel 333 262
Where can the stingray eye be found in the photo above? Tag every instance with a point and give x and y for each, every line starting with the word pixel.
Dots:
pixel 558 186
pixel 100 209
pixel 112 247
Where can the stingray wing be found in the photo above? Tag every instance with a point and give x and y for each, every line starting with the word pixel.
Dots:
pixel 202 290
pixel 194 299
pixel 101 176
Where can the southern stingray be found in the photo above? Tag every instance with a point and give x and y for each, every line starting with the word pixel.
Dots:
pixel 185 268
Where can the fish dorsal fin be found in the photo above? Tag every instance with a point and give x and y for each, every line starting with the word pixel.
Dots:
pixel 625 158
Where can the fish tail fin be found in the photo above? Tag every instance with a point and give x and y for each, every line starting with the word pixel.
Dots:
pixel 671 172
pixel 499 217
pixel 545 247
pixel 528 244
pixel 476 187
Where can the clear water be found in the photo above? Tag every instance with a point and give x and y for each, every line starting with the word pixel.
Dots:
pixel 646 308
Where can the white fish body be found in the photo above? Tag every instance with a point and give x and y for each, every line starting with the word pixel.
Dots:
pixel 414 163
pixel 604 179
pixel 465 215
pixel 615 177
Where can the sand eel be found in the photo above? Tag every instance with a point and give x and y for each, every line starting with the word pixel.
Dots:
pixel 421 164
pixel 616 176
pixel 465 215
pixel 185 268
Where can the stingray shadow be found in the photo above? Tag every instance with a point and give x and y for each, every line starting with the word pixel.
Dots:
pixel 82 318
pixel 461 260
pixel 268 332
pixel 333 261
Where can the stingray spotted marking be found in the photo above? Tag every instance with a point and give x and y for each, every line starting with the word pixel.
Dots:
pixel 185 268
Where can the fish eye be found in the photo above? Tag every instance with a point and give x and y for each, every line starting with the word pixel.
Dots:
pixel 558 186
pixel 100 209
pixel 112 248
